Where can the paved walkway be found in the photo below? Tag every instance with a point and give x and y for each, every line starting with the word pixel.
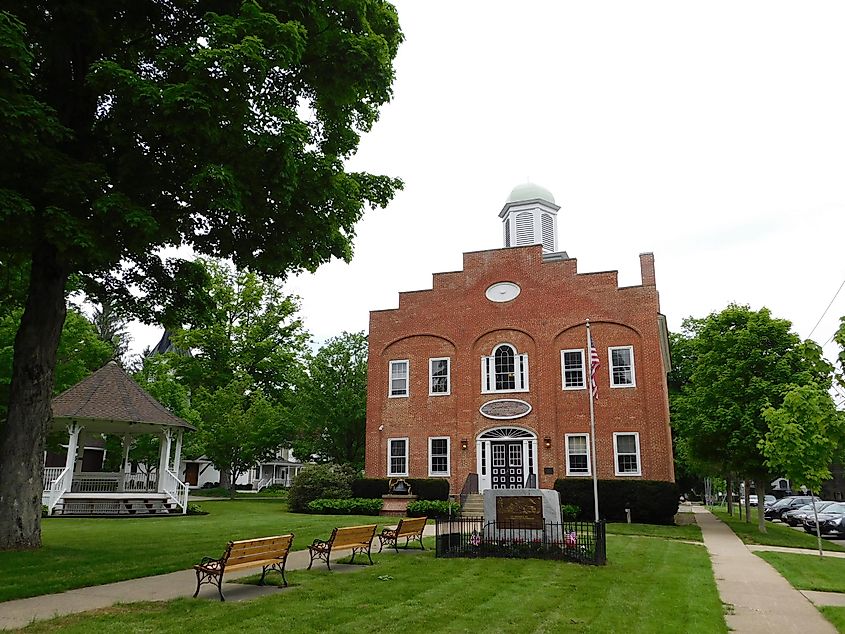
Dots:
pixel 21 612
pixel 762 600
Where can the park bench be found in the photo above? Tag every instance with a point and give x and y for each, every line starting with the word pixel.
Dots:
pixel 409 528
pixel 358 538
pixel 270 553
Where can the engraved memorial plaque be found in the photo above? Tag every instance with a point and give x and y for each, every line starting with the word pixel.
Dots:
pixel 522 511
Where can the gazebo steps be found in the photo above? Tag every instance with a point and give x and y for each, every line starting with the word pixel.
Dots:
pixel 112 506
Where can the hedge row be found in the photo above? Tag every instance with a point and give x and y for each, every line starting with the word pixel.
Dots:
pixel 351 506
pixel 423 488
pixel 433 508
pixel 650 501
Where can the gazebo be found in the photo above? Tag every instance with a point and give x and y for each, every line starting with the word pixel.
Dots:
pixel 110 402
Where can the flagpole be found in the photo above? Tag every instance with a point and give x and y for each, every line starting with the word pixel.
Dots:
pixel 593 428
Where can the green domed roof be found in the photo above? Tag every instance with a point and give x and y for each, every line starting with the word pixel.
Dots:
pixel 529 191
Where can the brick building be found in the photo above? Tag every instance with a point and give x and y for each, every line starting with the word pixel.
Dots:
pixel 487 373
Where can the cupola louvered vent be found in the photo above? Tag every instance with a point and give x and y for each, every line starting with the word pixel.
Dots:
pixel 548 233
pixel 507 232
pixel 524 228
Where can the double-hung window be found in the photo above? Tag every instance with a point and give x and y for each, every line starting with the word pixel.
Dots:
pixel 572 369
pixel 626 453
pixel 397 456
pixel 504 371
pixel 622 366
pixel 438 456
pixel 398 379
pixel 438 377
pixel 577 454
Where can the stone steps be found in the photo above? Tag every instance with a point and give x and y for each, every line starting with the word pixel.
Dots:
pixel 473 506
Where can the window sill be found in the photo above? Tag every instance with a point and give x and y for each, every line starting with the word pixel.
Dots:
pixel 614 387
pixel 629 475
pixel 398 395
pixel 505 391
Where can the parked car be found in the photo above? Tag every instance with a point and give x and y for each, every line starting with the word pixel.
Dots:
pixel 776 510
pixel 768 500
pixel 796 517
pixel 832 520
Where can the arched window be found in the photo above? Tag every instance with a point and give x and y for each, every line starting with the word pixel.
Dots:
pixel 505 370
pixel 504 364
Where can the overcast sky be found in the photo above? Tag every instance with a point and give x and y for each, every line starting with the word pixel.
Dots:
pixel 712 134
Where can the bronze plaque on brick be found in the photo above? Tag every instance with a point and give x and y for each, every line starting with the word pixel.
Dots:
pixel 505 408
pixel 519 511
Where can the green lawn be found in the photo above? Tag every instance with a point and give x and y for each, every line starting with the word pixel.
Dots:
pixel 777 534
pixel 219 492
pixel 649 585
pixel 688 532
pixel 85 552
pixel 835 615
pixel 809 572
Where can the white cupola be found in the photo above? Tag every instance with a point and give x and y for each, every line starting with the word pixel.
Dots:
pixel 530 217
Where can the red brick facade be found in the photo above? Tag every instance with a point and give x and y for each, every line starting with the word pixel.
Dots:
pixel 455 320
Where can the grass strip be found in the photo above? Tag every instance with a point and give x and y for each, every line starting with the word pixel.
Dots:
pixel 836 615
pixel 809 572
pixel 649 585
pixel 687 532
pixel 776 534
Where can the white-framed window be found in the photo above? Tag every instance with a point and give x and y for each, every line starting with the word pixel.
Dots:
pixel 622 366
pixel 572 369
pixel 398 379
pixel 438 456
pixel 626 453
pixel 504 371
pixel 439 382
pixel 397 456
pixel 578 454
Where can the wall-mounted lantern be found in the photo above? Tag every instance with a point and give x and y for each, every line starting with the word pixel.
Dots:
pixel 547 441
pixel 464 444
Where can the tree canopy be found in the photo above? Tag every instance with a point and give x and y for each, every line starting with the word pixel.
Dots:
pixel 330 413
pixel 133 126
pixel 742 361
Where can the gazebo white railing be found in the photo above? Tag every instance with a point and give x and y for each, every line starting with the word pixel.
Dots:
pixel 57 489
pixel 176 489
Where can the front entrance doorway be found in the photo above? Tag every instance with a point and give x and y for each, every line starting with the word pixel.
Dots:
pixel 507 465
pixel 506 458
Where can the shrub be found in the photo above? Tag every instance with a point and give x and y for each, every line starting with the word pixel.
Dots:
pixel 369 487
pixel 569 512
pixel 651 502
pixel 196 509
pixel 45 512
pixel 326 481
pixel 423 488
pixel 432 508
pixel 352 506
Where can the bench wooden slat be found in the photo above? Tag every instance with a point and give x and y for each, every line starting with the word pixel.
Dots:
pixel 358 538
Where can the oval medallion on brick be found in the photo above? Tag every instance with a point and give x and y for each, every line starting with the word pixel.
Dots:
pixel 505 408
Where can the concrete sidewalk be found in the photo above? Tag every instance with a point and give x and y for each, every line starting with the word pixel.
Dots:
pixel 761 600
pixel 173 585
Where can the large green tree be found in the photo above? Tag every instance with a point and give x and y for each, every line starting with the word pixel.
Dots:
pixel 743 361
pixel 131 126
pixel 330 415
pixel 806 434
pixel 246 351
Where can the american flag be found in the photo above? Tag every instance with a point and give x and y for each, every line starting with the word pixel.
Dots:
pixel 594 364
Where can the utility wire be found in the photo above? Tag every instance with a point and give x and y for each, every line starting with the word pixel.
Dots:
pixel 826 309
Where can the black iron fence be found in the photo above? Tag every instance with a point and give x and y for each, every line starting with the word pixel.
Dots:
pixel 581 542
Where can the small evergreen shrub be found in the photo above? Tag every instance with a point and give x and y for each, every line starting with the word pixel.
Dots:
pixel 351 506
pixel 650 501
pixel 319 481
pixel 432 508
pixel 196 509
pixel 569 512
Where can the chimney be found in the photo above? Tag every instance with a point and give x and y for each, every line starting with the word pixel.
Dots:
pixel 647 269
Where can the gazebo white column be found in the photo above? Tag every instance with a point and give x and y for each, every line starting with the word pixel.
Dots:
pixel 164 457
pixel 177 455
pixel 127 442
pixel 73 431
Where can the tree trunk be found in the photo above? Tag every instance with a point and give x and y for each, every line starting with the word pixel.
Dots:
pixel 23 436
pixel 225 480
pixel 760 485
pixel 746 499
pixel 729 494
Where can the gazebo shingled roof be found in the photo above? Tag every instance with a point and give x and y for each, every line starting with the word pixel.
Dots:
pixel 110 396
